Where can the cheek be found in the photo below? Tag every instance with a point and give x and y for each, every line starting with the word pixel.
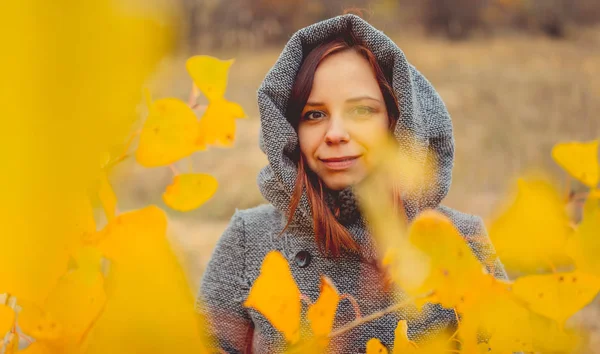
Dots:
pixel 370 133
pixel 308 138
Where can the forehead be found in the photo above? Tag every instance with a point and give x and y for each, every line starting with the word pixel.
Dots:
pixel 344 75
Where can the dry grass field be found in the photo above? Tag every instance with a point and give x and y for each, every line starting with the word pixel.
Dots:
pixel 511 99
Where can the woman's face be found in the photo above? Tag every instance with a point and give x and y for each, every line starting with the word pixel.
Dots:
pixel 344 116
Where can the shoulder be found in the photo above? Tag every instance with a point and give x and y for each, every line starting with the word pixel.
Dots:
pixel 259 217
pixel 467 224
pixel 256 226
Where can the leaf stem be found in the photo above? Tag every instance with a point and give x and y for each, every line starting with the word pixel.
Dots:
pixel 374 316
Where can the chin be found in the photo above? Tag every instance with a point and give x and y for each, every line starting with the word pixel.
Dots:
pixel 337 184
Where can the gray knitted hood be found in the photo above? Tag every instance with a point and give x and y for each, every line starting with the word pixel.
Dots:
pixel 423 127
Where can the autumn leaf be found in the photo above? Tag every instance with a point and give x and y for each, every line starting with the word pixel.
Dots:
pixel 532 233
pixel 401 342
pixel 453 266
pixel 496 315
pixel 133 233
pixel 7 319
pixel 276 295
pixel 189 191
pixel 209 75
pixel 584 246
pixel 170 133
pixel 107 196
pixel 217 124
pixel 374 346
pixel 79 297
pixel 580 160
pixel 321 314
pixel 38 347
pixel 557 296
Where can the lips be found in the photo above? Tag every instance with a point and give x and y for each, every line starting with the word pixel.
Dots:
pixel 340 163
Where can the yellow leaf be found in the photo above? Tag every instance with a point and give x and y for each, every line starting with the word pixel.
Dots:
pixel 374 346
pixel 209 75
pixel 276 295
pixel 532 233
pixel 7 319
pixel 107 197
pixel 190 190
pixel 132 233
pixel 584 246
pixel 580 160
pixel 321 314
pixel 170 133
pixel 39 324
pixel 453 266
pixel 217 124
pixel 499 317
pixel 401 342
pixel 550 337
pixel 79 297
pixel 38 347
pixel 557 296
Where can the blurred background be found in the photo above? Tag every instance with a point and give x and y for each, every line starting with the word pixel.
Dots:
pixel 517 76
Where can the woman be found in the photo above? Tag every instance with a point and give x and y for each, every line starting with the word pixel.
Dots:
pixel 338 86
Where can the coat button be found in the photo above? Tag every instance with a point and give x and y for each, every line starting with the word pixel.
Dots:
pixel 302 259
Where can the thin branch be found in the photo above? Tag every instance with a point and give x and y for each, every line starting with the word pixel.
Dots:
pixel 374 316
pixel 354 304
pixel 567 187
pixel 306 299
pixel 198 106
pixel 193 95
pixel 174 169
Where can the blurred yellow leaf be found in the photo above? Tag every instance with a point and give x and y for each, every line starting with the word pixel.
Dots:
pixel 453 266
pixel 7 319
pixel 150 304
pixel 321 314
pixel 551 337
pixel 557 296
pixel 495 314
pixel 276 295
pixel 170 133
pixel 532 233
pixel 374 346
pixel 39 324
pixel 38 347
pixel 401 342
pixel 190 190
pixel 79 297
pixel 580 160
pixel 584 246
pixel 133 233
pixel 217 125
pixel 107 197
pixel 209 75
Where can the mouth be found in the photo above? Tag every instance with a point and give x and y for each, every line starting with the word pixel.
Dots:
pixel 340 163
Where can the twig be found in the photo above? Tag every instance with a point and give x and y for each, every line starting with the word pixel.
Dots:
pixel 193 96
pixel 306 299
pixel 567 187
pixel 354 304
pixel 374 316
pixel 174 169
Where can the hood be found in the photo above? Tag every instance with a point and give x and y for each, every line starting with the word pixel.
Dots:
pixel 424 125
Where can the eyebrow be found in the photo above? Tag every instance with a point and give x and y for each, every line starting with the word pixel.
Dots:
pixel 350 100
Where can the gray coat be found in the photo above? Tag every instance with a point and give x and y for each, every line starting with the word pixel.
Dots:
pixel 424 126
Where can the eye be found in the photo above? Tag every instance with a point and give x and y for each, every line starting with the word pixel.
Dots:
pixel 313 115
pixel 362 111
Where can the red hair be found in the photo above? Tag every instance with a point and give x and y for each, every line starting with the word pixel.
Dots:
pixel 331 236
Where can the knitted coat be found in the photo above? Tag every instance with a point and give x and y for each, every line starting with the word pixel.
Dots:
pixel 424 127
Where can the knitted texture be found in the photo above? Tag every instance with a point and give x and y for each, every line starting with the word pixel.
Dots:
pixel 423 127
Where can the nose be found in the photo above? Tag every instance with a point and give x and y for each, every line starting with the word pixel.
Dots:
pixel 336 132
